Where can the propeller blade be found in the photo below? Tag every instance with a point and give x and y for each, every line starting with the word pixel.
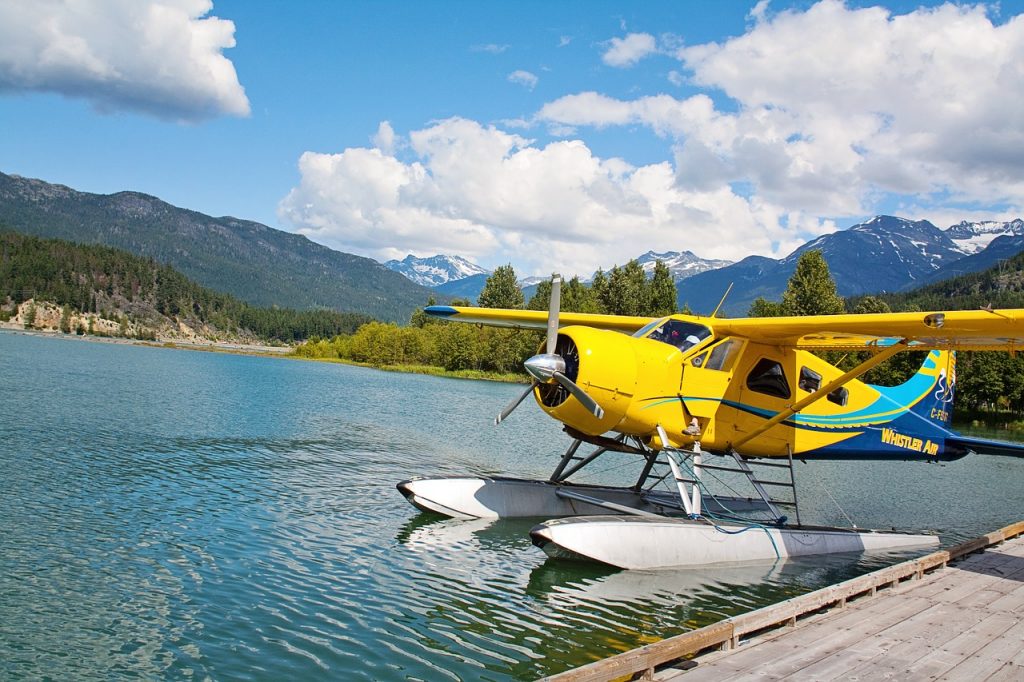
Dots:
pixel 514 404
pixel 579 394
pixel 556 302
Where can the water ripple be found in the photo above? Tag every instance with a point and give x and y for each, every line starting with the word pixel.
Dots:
pixel 201 516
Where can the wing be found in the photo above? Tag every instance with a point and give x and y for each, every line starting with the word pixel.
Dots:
pixel 536 319
pixel 953 330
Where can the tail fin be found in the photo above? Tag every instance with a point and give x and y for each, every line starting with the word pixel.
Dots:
pixel 937 404
pixel 929 393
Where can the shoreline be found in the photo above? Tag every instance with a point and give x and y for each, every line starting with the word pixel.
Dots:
pixel 207 346
pixel 286 352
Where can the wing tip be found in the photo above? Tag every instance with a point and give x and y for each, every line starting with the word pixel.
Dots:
pixel 440 311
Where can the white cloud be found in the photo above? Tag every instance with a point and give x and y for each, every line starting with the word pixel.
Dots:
pixel 758 11
pixel 833 111
pixel 385 139
pixel 564 40
pixel 159 57
pixel 623 52
pixel 838 106
pixel 494 196
pixel 524 78
pixel 490 48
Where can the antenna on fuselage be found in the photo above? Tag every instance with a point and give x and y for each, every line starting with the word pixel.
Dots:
pixel 723 299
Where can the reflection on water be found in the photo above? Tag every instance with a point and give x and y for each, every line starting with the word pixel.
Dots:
pixel 181 514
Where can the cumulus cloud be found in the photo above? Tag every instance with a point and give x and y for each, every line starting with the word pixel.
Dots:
pixel 494 196
pixel 809 116
pixel 385 139
pixel 524 78
pixel 835 106
pixel 160 57
pixel 623 52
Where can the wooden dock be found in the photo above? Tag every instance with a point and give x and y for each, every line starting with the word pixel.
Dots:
pixel 956 614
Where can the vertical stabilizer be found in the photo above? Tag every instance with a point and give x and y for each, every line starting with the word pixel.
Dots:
pixel 929 393
pixel 937 404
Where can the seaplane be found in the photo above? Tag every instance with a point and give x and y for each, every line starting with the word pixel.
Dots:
pixel 690 397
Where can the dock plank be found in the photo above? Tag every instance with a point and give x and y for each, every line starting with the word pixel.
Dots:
pixel 991 658
pixel 941 660
pixel 961 622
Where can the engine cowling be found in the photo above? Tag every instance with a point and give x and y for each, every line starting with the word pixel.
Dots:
pixel 602 363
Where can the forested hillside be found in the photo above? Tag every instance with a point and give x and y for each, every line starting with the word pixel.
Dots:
pixel 252 262
pixel 1001 286
pixel 141 294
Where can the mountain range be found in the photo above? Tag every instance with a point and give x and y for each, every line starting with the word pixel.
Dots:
pixel 884 254
pixel 436 270
pixel 456 277
pixel 268 267
pixel 251 261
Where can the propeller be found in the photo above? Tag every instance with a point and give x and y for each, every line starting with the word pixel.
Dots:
pixel 550 366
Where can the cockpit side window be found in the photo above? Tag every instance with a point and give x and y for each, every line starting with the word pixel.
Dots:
pixel 722 355
pixel 682 335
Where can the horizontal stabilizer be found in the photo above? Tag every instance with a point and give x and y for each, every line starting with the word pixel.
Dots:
pixel 984 446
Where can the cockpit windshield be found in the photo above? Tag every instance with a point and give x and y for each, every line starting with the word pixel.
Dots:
pixel 644 330
pixel 682 335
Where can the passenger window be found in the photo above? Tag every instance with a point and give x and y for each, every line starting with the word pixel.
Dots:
pixel 721 355
pixel 839 396
pixel 767 377
pixel 810 380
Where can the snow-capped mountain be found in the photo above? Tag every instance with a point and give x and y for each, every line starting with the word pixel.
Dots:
pixel 531 281
pixel 975 237
pixel 681 264
pixel 436 270
pixel 883 254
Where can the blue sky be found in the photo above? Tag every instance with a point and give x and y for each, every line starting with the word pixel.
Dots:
pixel 564 136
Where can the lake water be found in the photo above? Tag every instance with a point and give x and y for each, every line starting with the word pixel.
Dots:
pixel 179 514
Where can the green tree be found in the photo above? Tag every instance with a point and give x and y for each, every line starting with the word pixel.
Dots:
pixel 420 319
pixel 541 298
pixel 811 290
pixel 458 346
pixel 501 290
pixel 762 307
pixel 599 290
pixel 30 315
pixel 627 292
pixel 578 297
pixel 663 294
pixel 871 304
pixel 65 320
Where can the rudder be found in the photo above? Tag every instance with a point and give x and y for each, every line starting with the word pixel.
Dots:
pixel 937 404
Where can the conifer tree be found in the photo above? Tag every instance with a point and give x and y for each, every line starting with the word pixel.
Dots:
pixel 811 289
pixel 762 307
pixel 627 292
pixel 662 298
pixel 501 290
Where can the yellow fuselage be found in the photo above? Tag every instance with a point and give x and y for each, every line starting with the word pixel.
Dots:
pixel 729 386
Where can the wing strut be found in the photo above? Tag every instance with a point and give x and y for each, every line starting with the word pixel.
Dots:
pixel 863 367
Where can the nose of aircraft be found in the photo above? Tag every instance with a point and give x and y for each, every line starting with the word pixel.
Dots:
pixel 542 367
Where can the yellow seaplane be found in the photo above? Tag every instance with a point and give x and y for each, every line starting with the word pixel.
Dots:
pixel 688 396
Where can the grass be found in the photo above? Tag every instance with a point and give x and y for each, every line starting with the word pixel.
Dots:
pixel 432 370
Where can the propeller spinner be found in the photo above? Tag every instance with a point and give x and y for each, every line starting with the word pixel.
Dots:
pixel 549 367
